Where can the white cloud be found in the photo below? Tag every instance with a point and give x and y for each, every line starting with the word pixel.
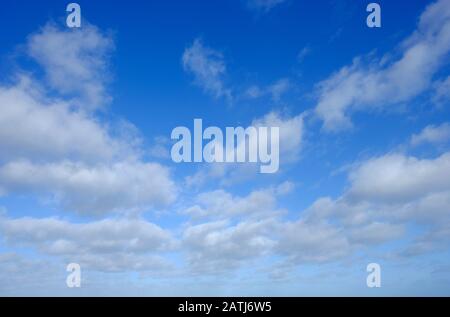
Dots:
pixel 397 178
pixel 32 125
pixel 73 157
pixel 377 84
pixel 75 61
pixel 208 67
pixel 51 149
pixel 57 148
pixel 106 245
pixel 432 134
pixel 218 246
pixel 240 230
pixel 97 189
pixel 275 90
pixel 386 195
pixel 221 204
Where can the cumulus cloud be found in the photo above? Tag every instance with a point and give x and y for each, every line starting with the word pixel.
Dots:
pixel 53 145
pixel 223 245
pixel 107 245
pixel 56 147
pixel 239 230
pixel 75 61
pixel 386 195
pixel 95 189
pixel 48 148
pixel 222 204
pixel 215 247
pixel 398 178
pixel 432 134
pixel 33 125
pixel 208 68
pixel 376 84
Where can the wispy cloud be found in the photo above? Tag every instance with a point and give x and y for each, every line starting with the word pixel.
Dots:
pixel 432 134
pixel 275 90
pixel 208 68
pixel 263 5
pixel 375 84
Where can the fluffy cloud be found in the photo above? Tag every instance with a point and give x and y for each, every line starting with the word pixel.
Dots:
pixel 239 229
pixel 108 245
pixel 221 204
pixel 208 68
pixel 398 178
pixel 32 125
pixel 217 246
pixel 386 195
pixel 95 189
pixel 327 231
pixel 75 61
pixel 377 84
pixel 222 245
pixel 56 146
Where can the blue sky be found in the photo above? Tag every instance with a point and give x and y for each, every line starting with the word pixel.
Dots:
pixel 86 174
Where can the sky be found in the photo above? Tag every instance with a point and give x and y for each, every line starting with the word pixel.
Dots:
pixel 87 177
